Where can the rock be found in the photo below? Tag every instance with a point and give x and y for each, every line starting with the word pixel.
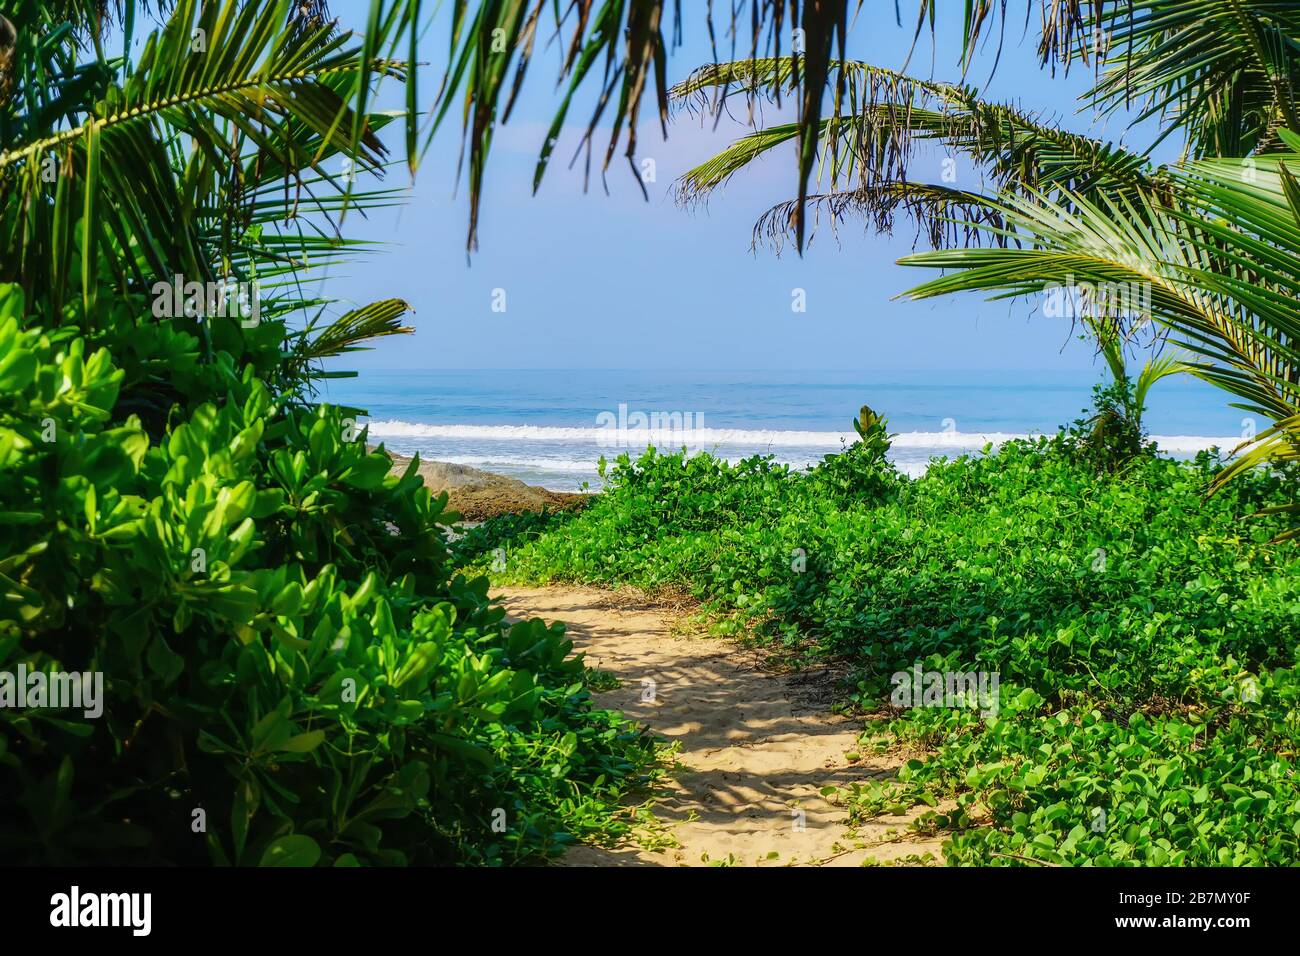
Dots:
pixel 479 495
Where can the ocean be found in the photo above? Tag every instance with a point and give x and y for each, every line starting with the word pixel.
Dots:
pixel 550 427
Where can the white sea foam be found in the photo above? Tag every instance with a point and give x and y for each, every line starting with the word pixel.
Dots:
pixel 709 437
pixel 577 466
pixel 593 435
pixel 695 437
pixel 1190 444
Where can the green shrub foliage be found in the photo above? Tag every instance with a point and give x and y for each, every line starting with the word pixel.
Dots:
pixel 292 671
pixel 1145 635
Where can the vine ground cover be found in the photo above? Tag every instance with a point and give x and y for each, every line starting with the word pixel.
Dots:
pixel 1144 633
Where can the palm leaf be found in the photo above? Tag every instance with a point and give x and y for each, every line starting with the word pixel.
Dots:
pixel 259 83
pixel 1222 263
pixel 867 157
pixel 345 334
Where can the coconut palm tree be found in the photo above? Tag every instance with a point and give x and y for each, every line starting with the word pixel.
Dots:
pixel 617 48
pixel 216 154
pixel 1222 73
pixel 1208 240
pixel 1222 260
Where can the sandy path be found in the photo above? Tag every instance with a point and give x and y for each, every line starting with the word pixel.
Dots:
pixel 756 747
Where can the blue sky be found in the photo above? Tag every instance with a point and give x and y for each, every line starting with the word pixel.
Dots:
pixel 612 281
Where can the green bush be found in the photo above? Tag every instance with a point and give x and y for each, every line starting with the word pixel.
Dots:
pixel 1111 435
pixel 1125 612
pixel 293 672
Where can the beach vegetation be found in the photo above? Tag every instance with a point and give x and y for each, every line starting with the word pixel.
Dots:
pixel 1192 264
pixel 293 672
pixel 1143 637
pixel 299 667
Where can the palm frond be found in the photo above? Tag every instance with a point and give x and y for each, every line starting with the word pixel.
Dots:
pixel 1223 72
pixel 868 155
pixel 229 80
pixel 492 48
pixel 345 334
pixel 1220 266
pixel 1157 368
pixel 942 215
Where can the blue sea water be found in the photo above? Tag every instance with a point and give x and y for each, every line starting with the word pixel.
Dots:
pixel 550 427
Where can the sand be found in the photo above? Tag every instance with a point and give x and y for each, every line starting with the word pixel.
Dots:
pixel 757 747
